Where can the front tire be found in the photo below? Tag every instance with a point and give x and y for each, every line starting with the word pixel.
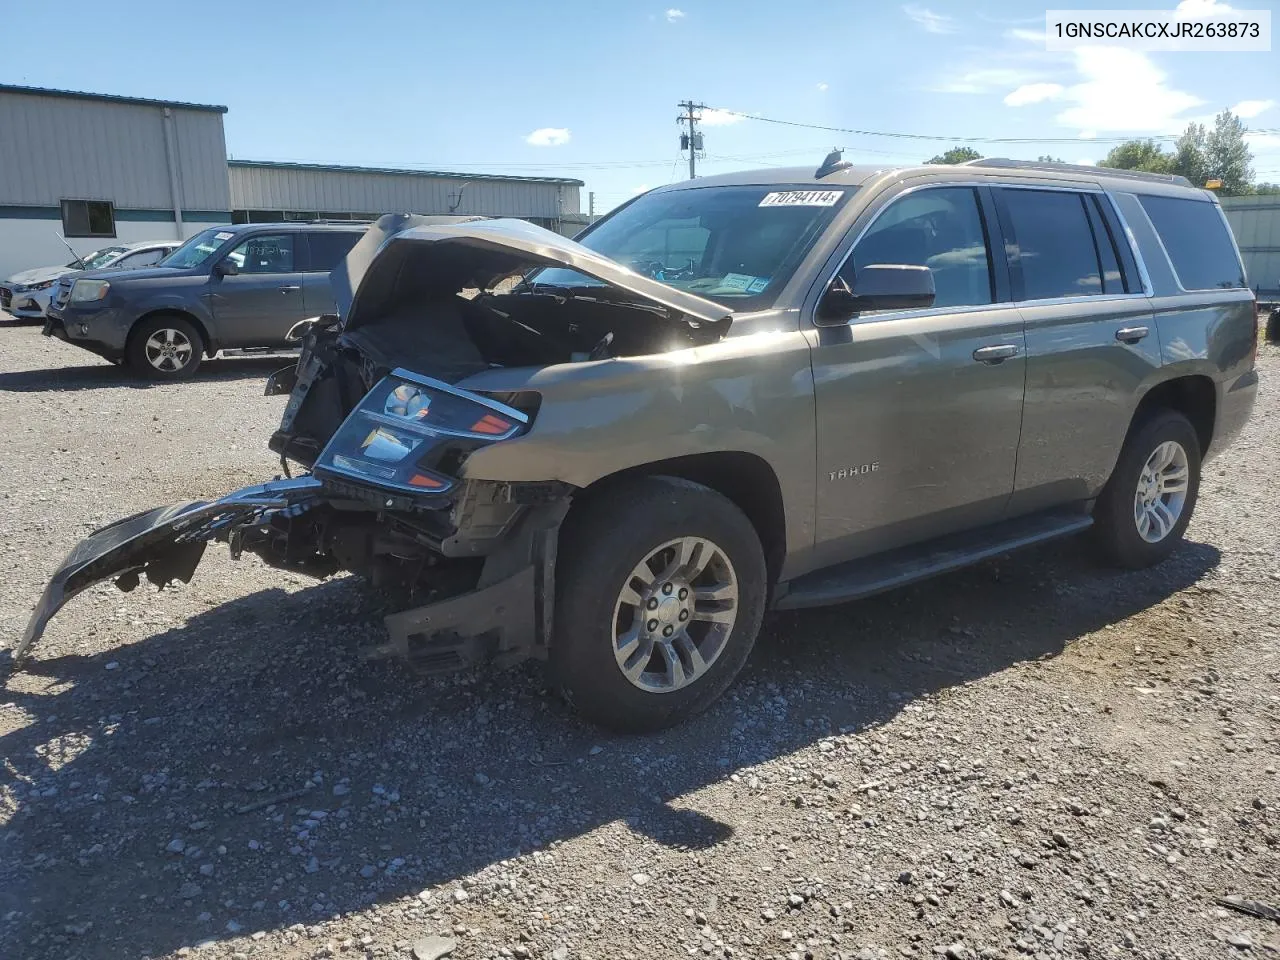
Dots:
pixel 165 347
pixel 1145 507
pixel 661 591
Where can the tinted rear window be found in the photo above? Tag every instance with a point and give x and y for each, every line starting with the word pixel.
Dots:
pixel 329 247
pixel 1196 238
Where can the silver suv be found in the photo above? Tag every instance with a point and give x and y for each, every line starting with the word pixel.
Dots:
pixel 764 390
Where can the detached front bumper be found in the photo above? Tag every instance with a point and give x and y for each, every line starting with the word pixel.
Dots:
pixel 505 617
pixel 164 544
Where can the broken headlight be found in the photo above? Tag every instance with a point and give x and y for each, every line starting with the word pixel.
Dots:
pixel 400 434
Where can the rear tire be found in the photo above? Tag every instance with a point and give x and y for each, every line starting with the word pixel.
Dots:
pixel 660 593
pixel 1146 505
pixel 165 347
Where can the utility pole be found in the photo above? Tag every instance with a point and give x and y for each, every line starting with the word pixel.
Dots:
pixel 691 141
pixel 591 206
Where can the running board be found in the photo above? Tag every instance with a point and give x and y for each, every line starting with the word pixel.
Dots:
pixel 869 575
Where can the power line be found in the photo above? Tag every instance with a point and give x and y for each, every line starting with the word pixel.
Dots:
pixel 937 137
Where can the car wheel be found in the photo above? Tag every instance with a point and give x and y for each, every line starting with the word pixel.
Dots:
pixel 165 347
pixel 661 590
pixel 1146 505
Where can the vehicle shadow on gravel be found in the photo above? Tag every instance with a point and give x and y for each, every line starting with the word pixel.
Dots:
pixel 102 376
pixel 139 790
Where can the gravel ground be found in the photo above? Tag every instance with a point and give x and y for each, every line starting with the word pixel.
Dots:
pixel 1034 757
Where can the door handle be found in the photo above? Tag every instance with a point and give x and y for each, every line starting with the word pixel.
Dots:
pixel 1131 334
pixel 996 354
pixel 290 289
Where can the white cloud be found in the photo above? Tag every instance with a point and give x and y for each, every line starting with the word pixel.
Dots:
pixel 985 80
pixel 1033 93
pixel 822 87
pixel 674 14
pixel 1202 9
pixel 1248 109
pixel 1027 36
pixel 930 21
pixel 548 137
pixel 1122 90
pixel 719 118
pixel 1086 162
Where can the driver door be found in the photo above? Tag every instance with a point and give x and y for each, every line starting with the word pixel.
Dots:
pixel 256 306
pixel 919 411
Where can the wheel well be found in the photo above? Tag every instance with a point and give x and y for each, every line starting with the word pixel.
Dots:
pixel 1194 397
pixel 191 318
pixel 744 478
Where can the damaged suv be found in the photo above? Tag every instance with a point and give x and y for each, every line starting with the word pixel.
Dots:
pixel 774 389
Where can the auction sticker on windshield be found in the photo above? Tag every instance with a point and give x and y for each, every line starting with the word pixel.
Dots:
pixel 223 236
pixel 802 198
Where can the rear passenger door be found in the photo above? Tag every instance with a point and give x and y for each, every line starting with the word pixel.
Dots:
pixel 326 250
pixel 1090 335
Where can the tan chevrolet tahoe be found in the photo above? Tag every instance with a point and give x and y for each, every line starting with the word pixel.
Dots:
pixel 772 389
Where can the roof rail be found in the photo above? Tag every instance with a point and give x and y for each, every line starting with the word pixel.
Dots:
pixel 1003 163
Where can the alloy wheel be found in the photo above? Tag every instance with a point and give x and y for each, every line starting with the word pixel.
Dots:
pixel 674 614
pixel 168 350
pixel 1162 491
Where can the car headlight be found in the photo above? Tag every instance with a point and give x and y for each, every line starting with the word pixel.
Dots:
pixel 89 291
pixel 410 432
pixel 43 286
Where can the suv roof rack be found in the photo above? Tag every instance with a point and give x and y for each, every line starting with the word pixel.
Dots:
pixel 1004 163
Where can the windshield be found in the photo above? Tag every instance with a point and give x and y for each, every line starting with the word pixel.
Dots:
pixel 99 258
pixel 735 245
pixel 198 249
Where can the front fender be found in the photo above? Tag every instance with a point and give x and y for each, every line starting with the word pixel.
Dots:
pixel 746 394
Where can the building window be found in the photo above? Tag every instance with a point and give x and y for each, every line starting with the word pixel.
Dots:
pixel 88 218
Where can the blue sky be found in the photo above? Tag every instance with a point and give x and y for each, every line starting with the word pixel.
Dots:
pixel 589 89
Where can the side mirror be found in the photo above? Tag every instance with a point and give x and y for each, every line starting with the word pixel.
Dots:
pixel 226 268
pixel 881 286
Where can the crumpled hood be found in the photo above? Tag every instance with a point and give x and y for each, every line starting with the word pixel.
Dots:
pixel 38 275
pixel 476 252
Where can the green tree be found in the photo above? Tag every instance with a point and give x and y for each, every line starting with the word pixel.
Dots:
pixel 1139 155
pixel 1048 159
pixel 1269 189
pixel 956 155
pixel 1227 156
pixel 1189 157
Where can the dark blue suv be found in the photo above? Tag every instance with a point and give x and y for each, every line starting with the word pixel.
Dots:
pixel 232 287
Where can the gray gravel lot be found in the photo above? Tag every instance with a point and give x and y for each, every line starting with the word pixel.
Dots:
pixel 1035 757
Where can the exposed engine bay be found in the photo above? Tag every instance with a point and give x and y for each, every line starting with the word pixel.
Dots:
pixel 377 416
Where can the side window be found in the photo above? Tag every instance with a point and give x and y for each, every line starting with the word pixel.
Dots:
pixel 267 253
pixel 1197 241
pixel 1052 246
pixel 940 228
pixel 328 248
pixel 143 258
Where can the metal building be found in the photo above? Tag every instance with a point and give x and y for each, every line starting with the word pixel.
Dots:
pixel 98 169
pixel 1255 221
pixel 263 191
